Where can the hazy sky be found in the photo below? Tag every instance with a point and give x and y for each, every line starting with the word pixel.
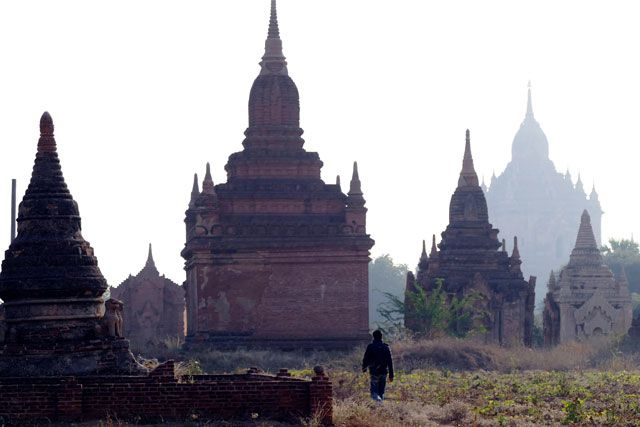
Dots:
pixel 144 93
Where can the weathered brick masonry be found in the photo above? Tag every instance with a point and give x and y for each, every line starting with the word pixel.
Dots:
pixel 275 256
pixel 163 396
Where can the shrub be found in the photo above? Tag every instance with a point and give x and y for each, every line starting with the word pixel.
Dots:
pixel 435 313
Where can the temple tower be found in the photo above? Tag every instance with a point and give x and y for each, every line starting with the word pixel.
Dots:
pixel 153 306
pixel 56 319
pixel 274 256
pixel 469 260
pixel 586 300
pixel 532 200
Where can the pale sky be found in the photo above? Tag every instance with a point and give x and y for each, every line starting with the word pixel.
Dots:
pixel 144 93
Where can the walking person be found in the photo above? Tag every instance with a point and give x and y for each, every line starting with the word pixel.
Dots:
pixel 377 359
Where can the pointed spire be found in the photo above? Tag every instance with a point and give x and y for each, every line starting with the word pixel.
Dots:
pixel 47 142
pixel 552 281
pixel 338 181
pixel 274 31
pixel 468 175
pixel 504 245
pixel 355 198
pixel 514 260
pixel 567 175
pixel 423 264
pixel 594 195
pixel 150 265
pixel 273 61
pixel 585 239
pixel 354 187
pixel 580 187
pixel 434 248
pixel 150 261
pixel 207 184
pixel 529 115
pixel 195 190
pixel 483 185
pixel 516 253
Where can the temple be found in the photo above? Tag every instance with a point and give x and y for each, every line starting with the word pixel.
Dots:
pixel 469 259
pixel 57 322
pixel 531 200
pixel 153 306
pixel 586 300
pixel 274 256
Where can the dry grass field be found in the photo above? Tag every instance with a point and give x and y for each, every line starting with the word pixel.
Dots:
pixel 456 383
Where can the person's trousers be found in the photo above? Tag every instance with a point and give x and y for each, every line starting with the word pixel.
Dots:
pixel 378 383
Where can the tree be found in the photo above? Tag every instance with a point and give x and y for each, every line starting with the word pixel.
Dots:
pixel 435 313
pixel 385 277
pixel 623 256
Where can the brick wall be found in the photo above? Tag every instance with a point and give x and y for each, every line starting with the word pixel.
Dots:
pixel 162 396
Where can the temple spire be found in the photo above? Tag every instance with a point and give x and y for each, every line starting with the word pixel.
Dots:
pixel 529 114
pixel 274 31
pixel 515 260
pixel 594 195
pixel 207 184
pixel 552 285
pixel 468 175
pixel 434 248
pixel 585 239
pixel 580 186
pixel 195 190
pixel 355 198
pixel 338 181
pixel 150 265
pixel 273 61
pixel 47 142
pixel 516 252
pixel 354 186
pixel 423 264
pixel 150 261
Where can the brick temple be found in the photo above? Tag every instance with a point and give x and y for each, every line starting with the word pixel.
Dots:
pixel 275 256
pixel 63 357
pixel 153 306
pixel 470 259
pixel 56 320
pixel 586 300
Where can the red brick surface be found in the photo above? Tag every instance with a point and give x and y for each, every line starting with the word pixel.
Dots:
pixel 162 396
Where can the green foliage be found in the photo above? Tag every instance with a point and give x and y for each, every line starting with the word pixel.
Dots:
pixel 434 313
pixel 573 410
pixel 385 277
pixel 623 256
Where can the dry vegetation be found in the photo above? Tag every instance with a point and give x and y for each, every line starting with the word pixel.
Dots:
pixel 455 382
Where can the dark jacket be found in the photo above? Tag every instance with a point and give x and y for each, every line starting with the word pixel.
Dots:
pixel 377 359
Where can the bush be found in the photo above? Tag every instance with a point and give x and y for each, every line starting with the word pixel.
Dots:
pixel 435 313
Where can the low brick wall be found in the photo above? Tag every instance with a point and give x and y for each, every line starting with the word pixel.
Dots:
pixel 161 396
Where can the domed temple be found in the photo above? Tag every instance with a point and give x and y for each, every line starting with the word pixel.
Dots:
pixel 56 318
pixel 532 200
pixel 274 256
pixel 586 300
pixel 469 260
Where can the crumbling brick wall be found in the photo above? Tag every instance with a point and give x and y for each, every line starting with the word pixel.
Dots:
pixel 162 396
